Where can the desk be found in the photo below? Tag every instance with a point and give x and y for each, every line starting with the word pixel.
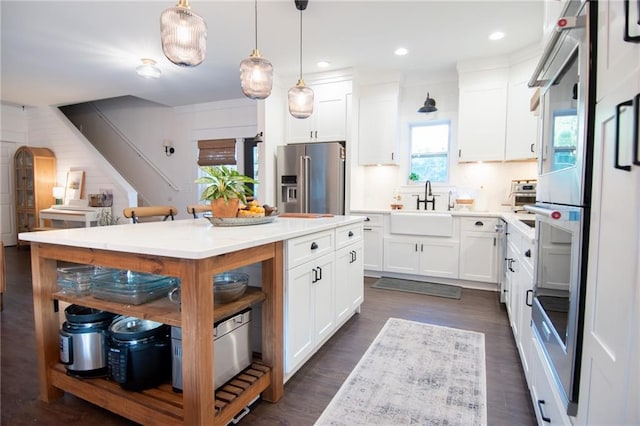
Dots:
pixel 72 214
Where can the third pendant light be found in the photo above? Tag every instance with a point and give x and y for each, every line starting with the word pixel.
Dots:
pixel 300 96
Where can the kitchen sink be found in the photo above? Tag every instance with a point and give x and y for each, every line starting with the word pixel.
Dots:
pixel 422 223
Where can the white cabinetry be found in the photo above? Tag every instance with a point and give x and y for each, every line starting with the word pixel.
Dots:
pixel 522 124
pixel 373 233
pixel 520 252
pixel 610 373
pixel 349 287
pixel 482 113
pixel 378 124
pixel 430 256
pixel 479 249
pixel 324 286
pixel 329 119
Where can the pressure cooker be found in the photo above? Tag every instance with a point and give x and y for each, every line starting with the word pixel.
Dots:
pixel 83 341
pixel 139 354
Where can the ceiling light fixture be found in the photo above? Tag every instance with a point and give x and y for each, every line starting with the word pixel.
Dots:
pixel 148 69
pixel 323 64
pixel 429 105
pixel 184 35
pixel 400 51
pixel 301 96
pixel 497 35
pixel 256 72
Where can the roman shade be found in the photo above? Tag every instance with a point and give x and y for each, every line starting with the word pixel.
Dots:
pixel 217 152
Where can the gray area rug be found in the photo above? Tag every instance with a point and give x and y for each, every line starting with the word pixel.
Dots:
pixel 414 373
pixel 420 287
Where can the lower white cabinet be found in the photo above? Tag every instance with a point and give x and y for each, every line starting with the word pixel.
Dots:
pixel 373 236
pixel 349 285
pixel 479 248
pixel 546 402
pixel 435 257
pixel 321 293
pixel 309 299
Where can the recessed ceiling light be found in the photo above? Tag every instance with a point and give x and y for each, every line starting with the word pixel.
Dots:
pixel 148 69
pixel 323 64
pixel 498 35
pixel 401 51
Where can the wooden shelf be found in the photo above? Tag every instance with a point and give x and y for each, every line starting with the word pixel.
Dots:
pixel 163 310
pixel 161 405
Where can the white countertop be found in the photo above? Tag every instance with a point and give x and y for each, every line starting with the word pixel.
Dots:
pixel 186 238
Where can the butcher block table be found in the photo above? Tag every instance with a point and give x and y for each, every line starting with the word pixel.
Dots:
pixel 193 250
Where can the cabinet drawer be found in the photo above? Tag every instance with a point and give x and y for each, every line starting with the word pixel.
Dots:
pixel 546 402
pixel 309 247
pixel 479 224
pixel 373 220
pixel 346 235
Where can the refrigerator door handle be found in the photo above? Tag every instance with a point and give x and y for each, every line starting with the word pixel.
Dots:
pixel 307 183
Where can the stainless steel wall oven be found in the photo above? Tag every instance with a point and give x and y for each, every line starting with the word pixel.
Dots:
pixel 566 75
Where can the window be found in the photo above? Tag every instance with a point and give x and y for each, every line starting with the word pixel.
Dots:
pixel 565 138
pixel 430 151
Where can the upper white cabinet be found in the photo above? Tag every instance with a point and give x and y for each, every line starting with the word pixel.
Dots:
pixel 482 114
pixel 329 119
pixel 522 124
pixel 495 121
pixel 378 124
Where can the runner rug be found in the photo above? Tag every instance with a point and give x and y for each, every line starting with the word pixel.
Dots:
pixel 419 287
pixel 414 373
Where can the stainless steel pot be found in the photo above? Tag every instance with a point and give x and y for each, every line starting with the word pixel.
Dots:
pixel 83 341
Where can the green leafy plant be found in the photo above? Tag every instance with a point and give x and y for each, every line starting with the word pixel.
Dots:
pixel 413 177
pixel 225 182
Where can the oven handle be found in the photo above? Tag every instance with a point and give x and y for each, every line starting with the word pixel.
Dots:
pixel 617 141
pixel 636 125
pixel 538 210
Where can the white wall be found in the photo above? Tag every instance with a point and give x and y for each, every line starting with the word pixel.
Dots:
pixel 374 186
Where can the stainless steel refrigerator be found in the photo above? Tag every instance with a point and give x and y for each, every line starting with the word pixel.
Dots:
pixel 311 178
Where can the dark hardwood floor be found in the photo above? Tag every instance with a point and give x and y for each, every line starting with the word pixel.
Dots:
pixel 308 392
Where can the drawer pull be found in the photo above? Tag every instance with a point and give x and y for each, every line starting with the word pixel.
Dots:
pixel 479 223
pixel 350 234
pixel 527 301
pixel 544 418
pixel 527 253
pixel 367 229
pixel 367 219
pixel 314 245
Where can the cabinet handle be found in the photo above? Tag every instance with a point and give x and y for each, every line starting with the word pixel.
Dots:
pixel 310 134
pixel 366 219
pixel 479 223
pixel 526 298
pixel 350 234
pixel 494 241
pixel 392 156
pixel 316 134
pixel 367 229
pixel 527 253
pixel 421 247
pixel 314 245
pixel 459 153
pixel 636 127
pixel 544 418
pixel 532 145
pixel 617 140
pixel 416 246
pixel 315 276
pixel 320 274
pixel 627 36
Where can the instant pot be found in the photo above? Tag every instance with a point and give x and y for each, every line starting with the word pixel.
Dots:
pixel 139 354
pixel 83 341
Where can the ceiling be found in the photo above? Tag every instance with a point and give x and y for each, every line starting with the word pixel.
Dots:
pixel 66 52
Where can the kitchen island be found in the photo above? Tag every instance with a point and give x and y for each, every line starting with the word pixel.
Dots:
pixel 192 250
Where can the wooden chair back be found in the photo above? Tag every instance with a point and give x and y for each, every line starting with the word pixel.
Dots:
pixel 135 213
pixel 194 209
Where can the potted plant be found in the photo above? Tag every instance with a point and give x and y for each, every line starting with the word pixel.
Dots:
pixel 226 188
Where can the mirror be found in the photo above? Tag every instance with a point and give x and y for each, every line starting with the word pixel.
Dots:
pixel 74 186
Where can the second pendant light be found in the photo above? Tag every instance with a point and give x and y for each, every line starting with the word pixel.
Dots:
pixel 256 72
pixel 300 96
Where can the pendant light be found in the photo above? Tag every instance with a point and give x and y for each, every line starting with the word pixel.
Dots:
pixel 301 96
pixel 256 72
pixel 184 35
pixel 429 105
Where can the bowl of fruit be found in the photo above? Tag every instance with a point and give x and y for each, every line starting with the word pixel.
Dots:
pixel 251 213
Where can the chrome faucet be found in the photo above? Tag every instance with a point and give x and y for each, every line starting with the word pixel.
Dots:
pixel 429 198
pixel 450 204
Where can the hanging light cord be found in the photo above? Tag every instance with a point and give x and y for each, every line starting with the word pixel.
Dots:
pixel 300 44
pixel 255 15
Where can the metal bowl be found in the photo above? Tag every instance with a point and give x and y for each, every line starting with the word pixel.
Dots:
pixel 229 286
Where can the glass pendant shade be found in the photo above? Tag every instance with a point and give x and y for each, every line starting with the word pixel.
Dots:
pixel 300 100
pixel 256 76
pixel 184 35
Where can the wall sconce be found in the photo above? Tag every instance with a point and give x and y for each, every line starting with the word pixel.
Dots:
pixel 259 137
pixel 429 105
pixel 169 150
pixel 58 193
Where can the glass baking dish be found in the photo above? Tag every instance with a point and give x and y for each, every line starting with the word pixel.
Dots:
pixel 77 279
pixel 132 287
